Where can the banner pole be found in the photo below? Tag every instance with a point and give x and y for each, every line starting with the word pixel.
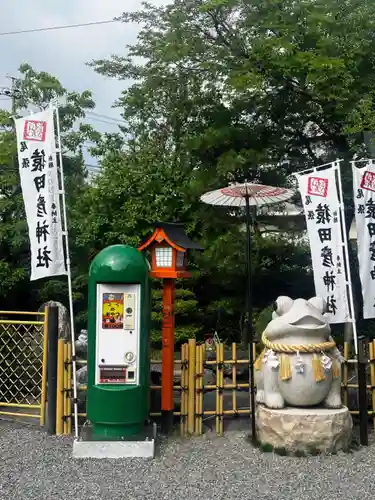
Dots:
pixel 68 268
pixel 346 257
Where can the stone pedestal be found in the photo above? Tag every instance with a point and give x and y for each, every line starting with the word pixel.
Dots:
pixel 305 429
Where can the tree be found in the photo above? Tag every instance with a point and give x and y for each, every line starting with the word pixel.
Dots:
pixel 135 188
pixel 299 74
pixel 187 316
pixel 38 90
pixel 229 90
pixel 12 271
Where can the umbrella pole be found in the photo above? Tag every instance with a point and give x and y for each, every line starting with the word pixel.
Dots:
pixel 249 338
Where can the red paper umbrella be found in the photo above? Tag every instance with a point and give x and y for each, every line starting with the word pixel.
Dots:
pixel 237 195
pixel 246 195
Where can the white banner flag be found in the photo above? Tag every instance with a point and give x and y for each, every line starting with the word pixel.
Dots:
pixel 40 189
pixel 364 202
pixel 322 212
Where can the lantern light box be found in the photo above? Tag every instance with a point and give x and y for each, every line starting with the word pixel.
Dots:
pixel 169 245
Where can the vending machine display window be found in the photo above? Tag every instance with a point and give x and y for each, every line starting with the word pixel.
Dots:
pixel 118 324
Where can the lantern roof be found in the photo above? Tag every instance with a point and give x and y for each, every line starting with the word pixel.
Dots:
pixel 174 234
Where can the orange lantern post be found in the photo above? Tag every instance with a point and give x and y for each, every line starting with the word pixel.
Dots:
pixel 168 244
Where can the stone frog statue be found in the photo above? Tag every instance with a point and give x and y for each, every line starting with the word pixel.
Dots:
pixel 300 365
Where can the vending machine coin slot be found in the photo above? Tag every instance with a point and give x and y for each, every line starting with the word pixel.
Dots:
pixel 129 311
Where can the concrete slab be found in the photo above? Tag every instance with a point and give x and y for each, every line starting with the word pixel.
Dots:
pixel 114 449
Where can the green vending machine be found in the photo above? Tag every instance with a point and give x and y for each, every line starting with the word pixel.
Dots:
pixel 118 365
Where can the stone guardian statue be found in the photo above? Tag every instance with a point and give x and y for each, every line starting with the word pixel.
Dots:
pixel 300 365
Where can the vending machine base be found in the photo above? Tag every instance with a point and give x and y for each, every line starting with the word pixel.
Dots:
pixel 140 446
pixel 114 449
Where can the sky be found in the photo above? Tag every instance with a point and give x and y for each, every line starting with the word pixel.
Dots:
pixel 64 53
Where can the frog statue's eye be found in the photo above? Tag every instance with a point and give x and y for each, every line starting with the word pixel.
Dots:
pixel 282 305
pixel 319 304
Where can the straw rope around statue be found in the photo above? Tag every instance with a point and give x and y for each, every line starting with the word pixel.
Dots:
pixel 294 348
pixel 285 369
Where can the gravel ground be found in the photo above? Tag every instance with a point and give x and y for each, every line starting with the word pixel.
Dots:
pixel 36 466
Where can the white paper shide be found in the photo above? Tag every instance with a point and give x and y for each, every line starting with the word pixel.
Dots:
pixel 40 189
pixel 322 212
pixel 364 202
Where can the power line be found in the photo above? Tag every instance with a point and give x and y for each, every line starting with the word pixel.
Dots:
pixel 95 119
pixel 106 116
pixel 95 167
pixel 50 28
pixel 109 120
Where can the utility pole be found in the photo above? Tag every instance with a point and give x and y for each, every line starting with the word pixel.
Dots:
pixel 13 95
pixel 7 91
pixel 13 92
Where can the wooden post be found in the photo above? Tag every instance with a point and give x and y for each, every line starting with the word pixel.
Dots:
pixel 219 388
pixel 234 377
pixel 221 397
pixel 372 379
pixel 184 386
pixel 191 385
pixel 362 390
pixel 167 399
pixel 199 390
pixel 43 397
pixel 60 388
pixel 69 393
pixel 66 393
pixel 345 374
pixel 53 327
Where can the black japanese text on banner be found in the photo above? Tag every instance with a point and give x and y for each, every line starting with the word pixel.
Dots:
pixel 40 189
pixel 364 201
pixel 322 212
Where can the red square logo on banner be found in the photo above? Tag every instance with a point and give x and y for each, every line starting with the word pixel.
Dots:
pixel 317 186
pixel 368 181
pixel 35 131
